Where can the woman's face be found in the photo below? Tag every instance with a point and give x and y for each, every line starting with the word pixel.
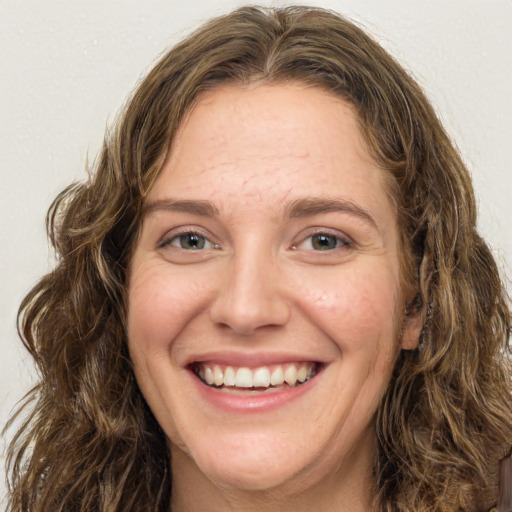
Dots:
pixel 265 312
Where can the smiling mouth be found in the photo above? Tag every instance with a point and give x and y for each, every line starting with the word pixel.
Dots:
pixel 261 379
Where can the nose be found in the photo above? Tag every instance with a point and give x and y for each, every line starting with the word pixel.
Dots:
pixel 250 296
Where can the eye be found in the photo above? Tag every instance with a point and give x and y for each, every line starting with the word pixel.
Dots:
pixel 188 241
pixel 323 241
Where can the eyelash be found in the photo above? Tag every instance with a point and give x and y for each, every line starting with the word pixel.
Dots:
pixel 176 235
pixel 340 241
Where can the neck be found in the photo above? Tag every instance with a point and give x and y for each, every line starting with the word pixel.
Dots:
pixel 349 489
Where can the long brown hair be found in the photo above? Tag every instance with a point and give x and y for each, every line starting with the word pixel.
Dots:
pixel 89 441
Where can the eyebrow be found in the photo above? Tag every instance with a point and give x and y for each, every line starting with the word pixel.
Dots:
pixel 303 207
pixel 312 206
pixel 196 207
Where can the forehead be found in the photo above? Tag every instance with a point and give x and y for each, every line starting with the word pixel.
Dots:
pixel 278 141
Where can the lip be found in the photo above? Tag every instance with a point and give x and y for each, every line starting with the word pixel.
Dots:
pixel 247 403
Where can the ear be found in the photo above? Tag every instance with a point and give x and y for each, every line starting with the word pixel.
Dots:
pixel 411 328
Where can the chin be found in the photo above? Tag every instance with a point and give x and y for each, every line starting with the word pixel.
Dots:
pixel 249 461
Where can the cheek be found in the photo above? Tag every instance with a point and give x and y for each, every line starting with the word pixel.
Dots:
pixel 161 301
pixel 355 307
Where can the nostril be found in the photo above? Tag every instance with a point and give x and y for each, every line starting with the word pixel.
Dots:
pixel 251 294
pixel 245 315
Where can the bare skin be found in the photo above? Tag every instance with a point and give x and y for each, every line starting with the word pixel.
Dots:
pixel 270 242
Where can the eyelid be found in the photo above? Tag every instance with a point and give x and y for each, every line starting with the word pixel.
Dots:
pixel 170 235
pixel 346 241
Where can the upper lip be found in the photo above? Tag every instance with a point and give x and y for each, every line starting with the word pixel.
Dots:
pixel 252 359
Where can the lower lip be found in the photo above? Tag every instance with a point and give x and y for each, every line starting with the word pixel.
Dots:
pixel 260 402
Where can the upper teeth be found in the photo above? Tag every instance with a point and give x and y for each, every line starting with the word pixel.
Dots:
pixel 261 377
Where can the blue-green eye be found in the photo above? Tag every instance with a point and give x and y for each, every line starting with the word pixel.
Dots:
pixel 189 241
pixel 323 241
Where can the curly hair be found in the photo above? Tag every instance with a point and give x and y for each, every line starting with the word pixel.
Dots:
pixel 89 441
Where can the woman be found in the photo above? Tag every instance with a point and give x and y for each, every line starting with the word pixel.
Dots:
pixel 271 294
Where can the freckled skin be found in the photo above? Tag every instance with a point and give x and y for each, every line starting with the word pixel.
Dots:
pixel 251 151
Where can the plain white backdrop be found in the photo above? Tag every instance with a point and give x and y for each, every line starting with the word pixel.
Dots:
pixel 66 67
